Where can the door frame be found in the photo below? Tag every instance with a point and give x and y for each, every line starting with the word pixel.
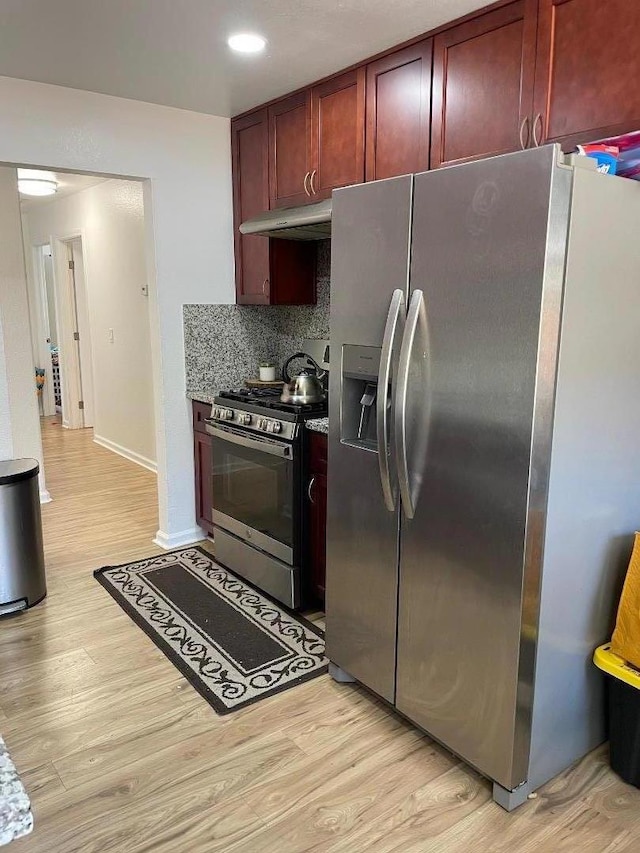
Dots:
pixel 70 368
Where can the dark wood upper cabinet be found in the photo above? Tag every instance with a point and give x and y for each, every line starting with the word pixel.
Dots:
pixel 587 70
pixel 337 133
pixel 268 272
pixel 249 152
pixel 513 76
pixel 289 154
pixel 399 112
pixel 483 78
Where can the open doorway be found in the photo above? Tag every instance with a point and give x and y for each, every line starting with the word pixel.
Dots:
pixel 88 291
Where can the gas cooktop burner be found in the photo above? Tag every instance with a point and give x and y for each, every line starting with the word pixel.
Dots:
pixel 269 398
pixel 257 392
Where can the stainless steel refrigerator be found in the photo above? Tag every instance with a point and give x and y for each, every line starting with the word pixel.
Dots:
pixel 484 450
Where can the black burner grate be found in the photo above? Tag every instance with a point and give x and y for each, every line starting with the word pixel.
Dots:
pixel 269 398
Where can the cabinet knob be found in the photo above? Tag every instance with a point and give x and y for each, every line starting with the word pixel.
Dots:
pixel 304 183
pixel 310 489
pixel 265 285
pixel 312 176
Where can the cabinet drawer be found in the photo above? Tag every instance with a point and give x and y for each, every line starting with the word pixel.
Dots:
pixel 200 412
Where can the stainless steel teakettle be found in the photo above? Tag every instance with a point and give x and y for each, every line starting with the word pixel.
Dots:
pixel 307 386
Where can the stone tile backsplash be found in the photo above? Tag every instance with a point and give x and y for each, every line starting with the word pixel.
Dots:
pixel 224 343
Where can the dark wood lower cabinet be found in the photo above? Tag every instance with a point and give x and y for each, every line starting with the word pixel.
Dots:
pixel 317 527
pixel 318 531
pixel 202 443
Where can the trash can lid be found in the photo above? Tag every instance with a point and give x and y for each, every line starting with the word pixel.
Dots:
pixel 14 470
pixel 613 664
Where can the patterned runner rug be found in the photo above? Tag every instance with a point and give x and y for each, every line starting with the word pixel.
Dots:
pixel 233 644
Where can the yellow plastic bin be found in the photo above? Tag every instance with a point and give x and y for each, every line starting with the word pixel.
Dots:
pixel 624 713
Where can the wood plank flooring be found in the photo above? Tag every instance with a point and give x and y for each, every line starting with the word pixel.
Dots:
pixel 121 755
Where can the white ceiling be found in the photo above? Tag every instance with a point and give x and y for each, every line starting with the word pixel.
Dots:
pixel 68 184
pixel 174 52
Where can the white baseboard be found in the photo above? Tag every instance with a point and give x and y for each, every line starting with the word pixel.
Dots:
pixel 168 541
pixel 131 455
pixel 45 497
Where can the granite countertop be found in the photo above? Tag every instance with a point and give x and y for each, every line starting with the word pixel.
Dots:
pixel 318 425
pixel 202 396
pixel 16 819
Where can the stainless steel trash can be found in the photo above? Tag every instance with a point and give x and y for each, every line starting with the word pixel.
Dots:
pixel 22 576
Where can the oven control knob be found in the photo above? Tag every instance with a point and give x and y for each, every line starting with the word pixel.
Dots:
pixel 263 424
pixel 227 414
pixel 276 426
pixel 244 418
pixel 215 413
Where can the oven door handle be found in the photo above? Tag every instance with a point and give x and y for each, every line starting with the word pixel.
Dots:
pixel 266 445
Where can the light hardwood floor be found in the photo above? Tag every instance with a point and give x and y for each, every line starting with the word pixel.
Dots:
pixel 119 753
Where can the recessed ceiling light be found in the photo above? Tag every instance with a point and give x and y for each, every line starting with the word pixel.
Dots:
pixel 36 182
pixel 246 43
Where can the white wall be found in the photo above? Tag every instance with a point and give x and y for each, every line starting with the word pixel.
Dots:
pixel 188 229
pixel 19 423
pixel 110 218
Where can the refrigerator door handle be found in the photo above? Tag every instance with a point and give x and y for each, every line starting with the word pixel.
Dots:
pixel 416 318
pixel 393 326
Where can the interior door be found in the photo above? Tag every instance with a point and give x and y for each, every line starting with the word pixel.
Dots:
pixel 81 309
pixel 587 56
pixel 483 72
pixel 369 261
pixel 479 257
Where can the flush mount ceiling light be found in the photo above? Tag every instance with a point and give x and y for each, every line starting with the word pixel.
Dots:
pixel 36 182
pixel 246 43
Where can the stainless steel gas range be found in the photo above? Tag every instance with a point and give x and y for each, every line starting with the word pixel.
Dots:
pixel 258 469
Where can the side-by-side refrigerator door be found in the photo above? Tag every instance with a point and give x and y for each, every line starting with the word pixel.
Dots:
pixel 487 265
pixel 371 226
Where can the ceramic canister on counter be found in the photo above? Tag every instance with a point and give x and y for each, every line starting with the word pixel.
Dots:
pixel 267 371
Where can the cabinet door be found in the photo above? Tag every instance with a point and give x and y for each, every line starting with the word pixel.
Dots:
pixel 318 533
pixel 203 482
pixel 483 75
pixel 399 112
pixel 587 70
pixel 289 136
pixel 337 133
pixel 249 149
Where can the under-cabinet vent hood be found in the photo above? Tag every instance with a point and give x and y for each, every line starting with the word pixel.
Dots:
pixel 309 222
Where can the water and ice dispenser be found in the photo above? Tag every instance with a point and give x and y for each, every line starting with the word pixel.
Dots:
pixel 360 367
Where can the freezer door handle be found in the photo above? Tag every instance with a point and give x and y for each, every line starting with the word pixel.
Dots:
pixel 412 425
pixel 384 399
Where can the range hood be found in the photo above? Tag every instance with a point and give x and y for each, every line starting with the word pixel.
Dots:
pixel 309 222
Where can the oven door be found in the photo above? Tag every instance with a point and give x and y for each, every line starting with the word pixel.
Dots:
pixel 254 490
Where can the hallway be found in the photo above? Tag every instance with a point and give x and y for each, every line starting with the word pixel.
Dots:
pixel 104 507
